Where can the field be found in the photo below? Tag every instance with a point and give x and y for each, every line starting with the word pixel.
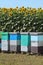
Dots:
pixel 20 59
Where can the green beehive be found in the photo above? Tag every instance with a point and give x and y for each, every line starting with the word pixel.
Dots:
pixel 4 35
pixel 4 42
pixel 25 41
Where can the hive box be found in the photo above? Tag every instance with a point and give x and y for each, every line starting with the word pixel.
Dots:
pixel 25 42
pixel 4 42
pixel 36 42
pixel 40 43
pixel 14 41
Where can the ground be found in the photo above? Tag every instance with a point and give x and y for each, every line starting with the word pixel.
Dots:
pixel 20 59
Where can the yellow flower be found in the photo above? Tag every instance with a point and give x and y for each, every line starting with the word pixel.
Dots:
pixel 4 10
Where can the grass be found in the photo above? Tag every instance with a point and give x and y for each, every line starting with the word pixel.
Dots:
pixel 20 59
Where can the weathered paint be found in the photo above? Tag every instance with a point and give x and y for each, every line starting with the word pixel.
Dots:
pixel 4 42
pixel 4 45
pixel 14 41
pixel 13 48
pixel 34 43
pixel 24 48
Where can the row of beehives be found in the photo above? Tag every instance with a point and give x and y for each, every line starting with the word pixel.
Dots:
pixel 21 42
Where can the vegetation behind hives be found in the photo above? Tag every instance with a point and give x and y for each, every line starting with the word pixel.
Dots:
pixel 21 19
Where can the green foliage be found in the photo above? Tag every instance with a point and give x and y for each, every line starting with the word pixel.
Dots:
pixel 21 19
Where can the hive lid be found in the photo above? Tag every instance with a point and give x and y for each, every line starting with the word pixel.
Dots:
pixel 24 32
pixel 36 33
pixel 33 33
pixel 4 33
pixel 13 32
pixel 40 33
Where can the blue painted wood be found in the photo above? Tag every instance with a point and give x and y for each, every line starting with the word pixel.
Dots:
pixel 40 37
pixel 18 37
pixel 34 37
pixel 14 36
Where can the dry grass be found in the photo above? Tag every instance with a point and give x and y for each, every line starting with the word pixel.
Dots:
pixel 20 59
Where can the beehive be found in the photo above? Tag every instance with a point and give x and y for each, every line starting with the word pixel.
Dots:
pixel 14 42
pixel 4 42
pixel 40 44
pixel 25 42
pixel 34 42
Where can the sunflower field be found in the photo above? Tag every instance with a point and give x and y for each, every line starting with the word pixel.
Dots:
pixel 21 19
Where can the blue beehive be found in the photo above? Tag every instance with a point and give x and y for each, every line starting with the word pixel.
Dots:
pixel 40 43
pixel 14 41
pixel 34 42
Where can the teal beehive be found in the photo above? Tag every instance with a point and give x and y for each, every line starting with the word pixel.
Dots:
pixel 25 41
pixel 4 35
pixel 4 42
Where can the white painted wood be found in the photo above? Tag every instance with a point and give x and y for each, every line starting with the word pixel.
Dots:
pixel 13 42
pixel 35 44
pixel 40 43
pixel 24 48
pixel 13 48
pixel 4 45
